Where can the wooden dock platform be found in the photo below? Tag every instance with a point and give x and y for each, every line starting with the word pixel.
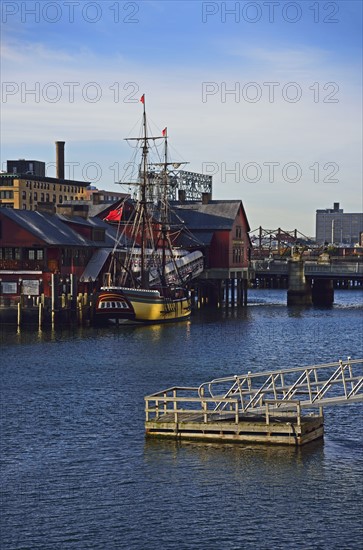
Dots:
pixel 180 413
pixel 260 407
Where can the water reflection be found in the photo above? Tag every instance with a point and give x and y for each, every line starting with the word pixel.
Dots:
pixel 158 450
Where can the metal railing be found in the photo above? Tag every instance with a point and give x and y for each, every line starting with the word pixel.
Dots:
pixel 281 392
pixel 314 386
pixel 311 268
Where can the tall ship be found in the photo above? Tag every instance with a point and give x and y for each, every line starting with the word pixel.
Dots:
pixel 149 284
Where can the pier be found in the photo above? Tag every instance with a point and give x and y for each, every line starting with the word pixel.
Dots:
pixel 274 407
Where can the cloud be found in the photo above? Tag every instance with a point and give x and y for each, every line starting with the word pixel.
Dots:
pixel 227 128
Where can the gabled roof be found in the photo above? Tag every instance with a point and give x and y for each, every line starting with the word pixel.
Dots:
pixel 47 227
pixel 215 215
pixel 54 230
pixel 195 238
pixel 95 222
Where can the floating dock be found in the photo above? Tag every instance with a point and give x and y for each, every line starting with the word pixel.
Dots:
pixel 278 407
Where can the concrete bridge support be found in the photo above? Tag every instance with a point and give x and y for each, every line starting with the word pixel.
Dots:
pixel 299 291
pixel 322 292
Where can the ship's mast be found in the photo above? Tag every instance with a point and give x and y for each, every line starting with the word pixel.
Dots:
pixel 144 275
pixel 164 212
pixel 142 212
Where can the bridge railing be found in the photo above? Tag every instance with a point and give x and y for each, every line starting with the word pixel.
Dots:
pixel 335 269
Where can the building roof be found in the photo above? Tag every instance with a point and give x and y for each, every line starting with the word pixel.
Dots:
pixel 195 239
pixel 54 230
pixel 215 215
pixel 111 231
pixel 33 177
pixel 47 227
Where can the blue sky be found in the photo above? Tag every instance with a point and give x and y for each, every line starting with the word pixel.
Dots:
pixel 287 141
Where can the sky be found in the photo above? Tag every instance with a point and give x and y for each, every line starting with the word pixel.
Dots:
pixel 265 96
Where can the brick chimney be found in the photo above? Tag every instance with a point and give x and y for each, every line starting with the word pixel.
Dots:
pixel 59 145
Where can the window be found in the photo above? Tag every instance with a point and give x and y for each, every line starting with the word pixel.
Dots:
pixel 54 198
pixel 6 194
pixel 10 253
pixel 47 197
pixel 23 195
pixel 35 254
pixel 35 195
pixel 41 197
pixel 238 231
pixel 6 182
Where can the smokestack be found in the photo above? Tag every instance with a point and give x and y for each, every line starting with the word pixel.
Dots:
pixel 59 145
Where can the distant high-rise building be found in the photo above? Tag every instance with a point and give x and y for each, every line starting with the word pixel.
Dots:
pixel 335 226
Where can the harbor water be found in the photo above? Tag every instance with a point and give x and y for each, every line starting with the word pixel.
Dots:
pixel 78 473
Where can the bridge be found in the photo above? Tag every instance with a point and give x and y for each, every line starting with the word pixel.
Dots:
pixel 331 269
pixel 309 281
pixel 256 407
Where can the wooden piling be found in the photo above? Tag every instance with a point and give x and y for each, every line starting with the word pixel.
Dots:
pixel 19 316
pixel 40 314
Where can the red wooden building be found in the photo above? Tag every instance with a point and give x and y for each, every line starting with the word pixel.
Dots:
pixel 35 245
pixel 221 229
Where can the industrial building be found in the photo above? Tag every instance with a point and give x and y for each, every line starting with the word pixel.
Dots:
pixel 24 186
pixel 334 226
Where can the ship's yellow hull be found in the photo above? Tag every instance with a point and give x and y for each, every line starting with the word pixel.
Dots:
pixel 151 308
pixel 130 305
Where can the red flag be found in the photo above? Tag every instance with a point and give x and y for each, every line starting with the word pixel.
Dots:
pixel 114 215
pixel 142 99
pixel 164 132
